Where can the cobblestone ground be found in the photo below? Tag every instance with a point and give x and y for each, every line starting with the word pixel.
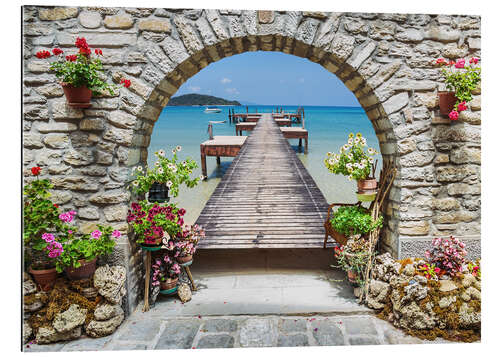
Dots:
pixel 141 333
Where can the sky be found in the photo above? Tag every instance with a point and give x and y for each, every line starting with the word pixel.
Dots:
pixel 270 78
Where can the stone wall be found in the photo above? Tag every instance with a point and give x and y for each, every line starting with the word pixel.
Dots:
pixel 384 59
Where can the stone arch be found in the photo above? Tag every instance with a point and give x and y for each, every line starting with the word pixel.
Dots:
pixel 384 59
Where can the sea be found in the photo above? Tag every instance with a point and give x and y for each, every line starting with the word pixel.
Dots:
pixel 328 129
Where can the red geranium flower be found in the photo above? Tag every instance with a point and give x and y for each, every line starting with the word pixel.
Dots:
pixel 57 51
pixel 43 54
pixel 56 205
pixel 98 51
pixel 36 170
pixel 441 61
pixel 71 58
pixel 126 82
pixel 461 107
pixel 81 42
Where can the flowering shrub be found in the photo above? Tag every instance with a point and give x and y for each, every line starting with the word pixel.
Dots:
pixel 79 69
pixel 88 246
pixel 475 268
pixel 430 271
pixel 461 78
pixel 353 257
pixel 447 254
pixel 167 171
pixel 164 268
pixel 151 222
pixel 40 217
pixel 190 238
pixel 350 220
pixel 352 161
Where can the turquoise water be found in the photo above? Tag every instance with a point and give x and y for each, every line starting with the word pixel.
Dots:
pixel 328 129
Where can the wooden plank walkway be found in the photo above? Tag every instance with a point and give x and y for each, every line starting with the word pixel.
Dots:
pixel 266 199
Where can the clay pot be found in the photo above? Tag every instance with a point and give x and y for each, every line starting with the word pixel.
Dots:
pixel 45 278
pixel 183 260
pixel 85 271
pixel 168 284
pixel 367 185
pixel 447 102
pixel 77 97
pixel 352 276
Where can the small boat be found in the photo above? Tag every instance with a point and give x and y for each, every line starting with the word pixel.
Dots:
pixel 212 110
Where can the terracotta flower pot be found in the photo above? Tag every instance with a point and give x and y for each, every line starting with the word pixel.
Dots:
pixel 84 271
pixel 156 243
pixel 45 278
pixel 367 185
pixel 447 102
pixel 352 276
pixel 168 284
pixel 77 97
pixel 185 259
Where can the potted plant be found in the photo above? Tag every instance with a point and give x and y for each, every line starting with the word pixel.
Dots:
pixel 165 176
pixel 185 247
pixel 79 74
pixel 80 253
pixel 353 258
pixel 165 273
pixel 40 223
pixel 356 163
pixel 461 80
pixel 151 223
pixel 353 220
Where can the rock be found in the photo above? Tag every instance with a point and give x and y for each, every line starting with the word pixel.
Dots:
pixel 57 13
pixel 420 279
pixel 27 332
pixel 409 270
pixel 468 280
pixel 155 25
pixel 184 292
pixel 447 301
pixel 29 286
pixel 385 267
pixel 265 16
pixel 104 328
pixel 111 282
pixel 66 321
pixel 468 318
pixel 377 294
pixel 48 335
pixel 123 22
pixel 90 19
pixel 465 297
pixel 36 304
pixel 414 292
pixel 105 311
pixel 473 293
pixel 447 285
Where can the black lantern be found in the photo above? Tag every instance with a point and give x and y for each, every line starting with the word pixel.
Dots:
pixel 158 193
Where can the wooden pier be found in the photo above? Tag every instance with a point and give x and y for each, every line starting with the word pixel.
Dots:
pixel 220 146
pixel 240 127
pixel 297 133
pixel 266 199
pixel 283 122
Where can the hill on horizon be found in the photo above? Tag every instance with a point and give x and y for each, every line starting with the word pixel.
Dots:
pixel 200 99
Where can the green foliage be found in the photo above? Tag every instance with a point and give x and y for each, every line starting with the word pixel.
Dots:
pixel 167 171
pixel 352 161
pixel 350 220
pixel 200 99
pixel 85 247
pixel 353 257
pixel 84 71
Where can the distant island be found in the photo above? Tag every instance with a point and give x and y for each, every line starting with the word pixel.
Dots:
pixel 200 99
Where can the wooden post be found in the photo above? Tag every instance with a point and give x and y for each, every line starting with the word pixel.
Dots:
pixel 300 142
pixel 203 162
pixel 218 160
pixel 307 145
pixel 146 283
pixel 188 271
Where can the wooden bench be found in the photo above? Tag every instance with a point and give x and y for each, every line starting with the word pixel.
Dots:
pixel 297 133
pixel 220 146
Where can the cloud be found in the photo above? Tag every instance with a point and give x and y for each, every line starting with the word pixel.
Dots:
pixel 225 80
pixel 195 88
pixel 232 91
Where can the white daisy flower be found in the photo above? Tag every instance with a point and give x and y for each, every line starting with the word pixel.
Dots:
pixel 350 177
pixel 178 148
pixel 370 159
pixel 157 163
pixel 135 183
pixel 173 151
pixel 184 163
pixel 350 141
pixel 364 161
pixel 174 168
pixel 169 184
pixel 363 141
pixel 371 151
pixel 161 152
pixel 139 168
pixel 160 170
pixel 356 140
pixel 329 153
pixel 202 177
pixel 331 162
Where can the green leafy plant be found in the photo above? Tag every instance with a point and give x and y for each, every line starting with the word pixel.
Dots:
pixel 461 79
pixel 166 171
pixel 88 246
pixel 80 69
pixel 352 161
pixel 350 220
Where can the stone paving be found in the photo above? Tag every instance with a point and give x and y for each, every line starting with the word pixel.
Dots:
pixel 140 333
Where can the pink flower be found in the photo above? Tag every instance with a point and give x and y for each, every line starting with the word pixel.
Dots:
pixel 460 63
pixel 473 60
pixel 70 231
pixel 461 107
pixel 96 234
pixel 48 237
pixel 116 234
pixel 453 115
pixel 437 270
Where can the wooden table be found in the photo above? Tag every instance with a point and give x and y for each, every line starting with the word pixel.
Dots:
pixel 252 118
pixel 248 126
pixel 220 146
pixel 296 133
